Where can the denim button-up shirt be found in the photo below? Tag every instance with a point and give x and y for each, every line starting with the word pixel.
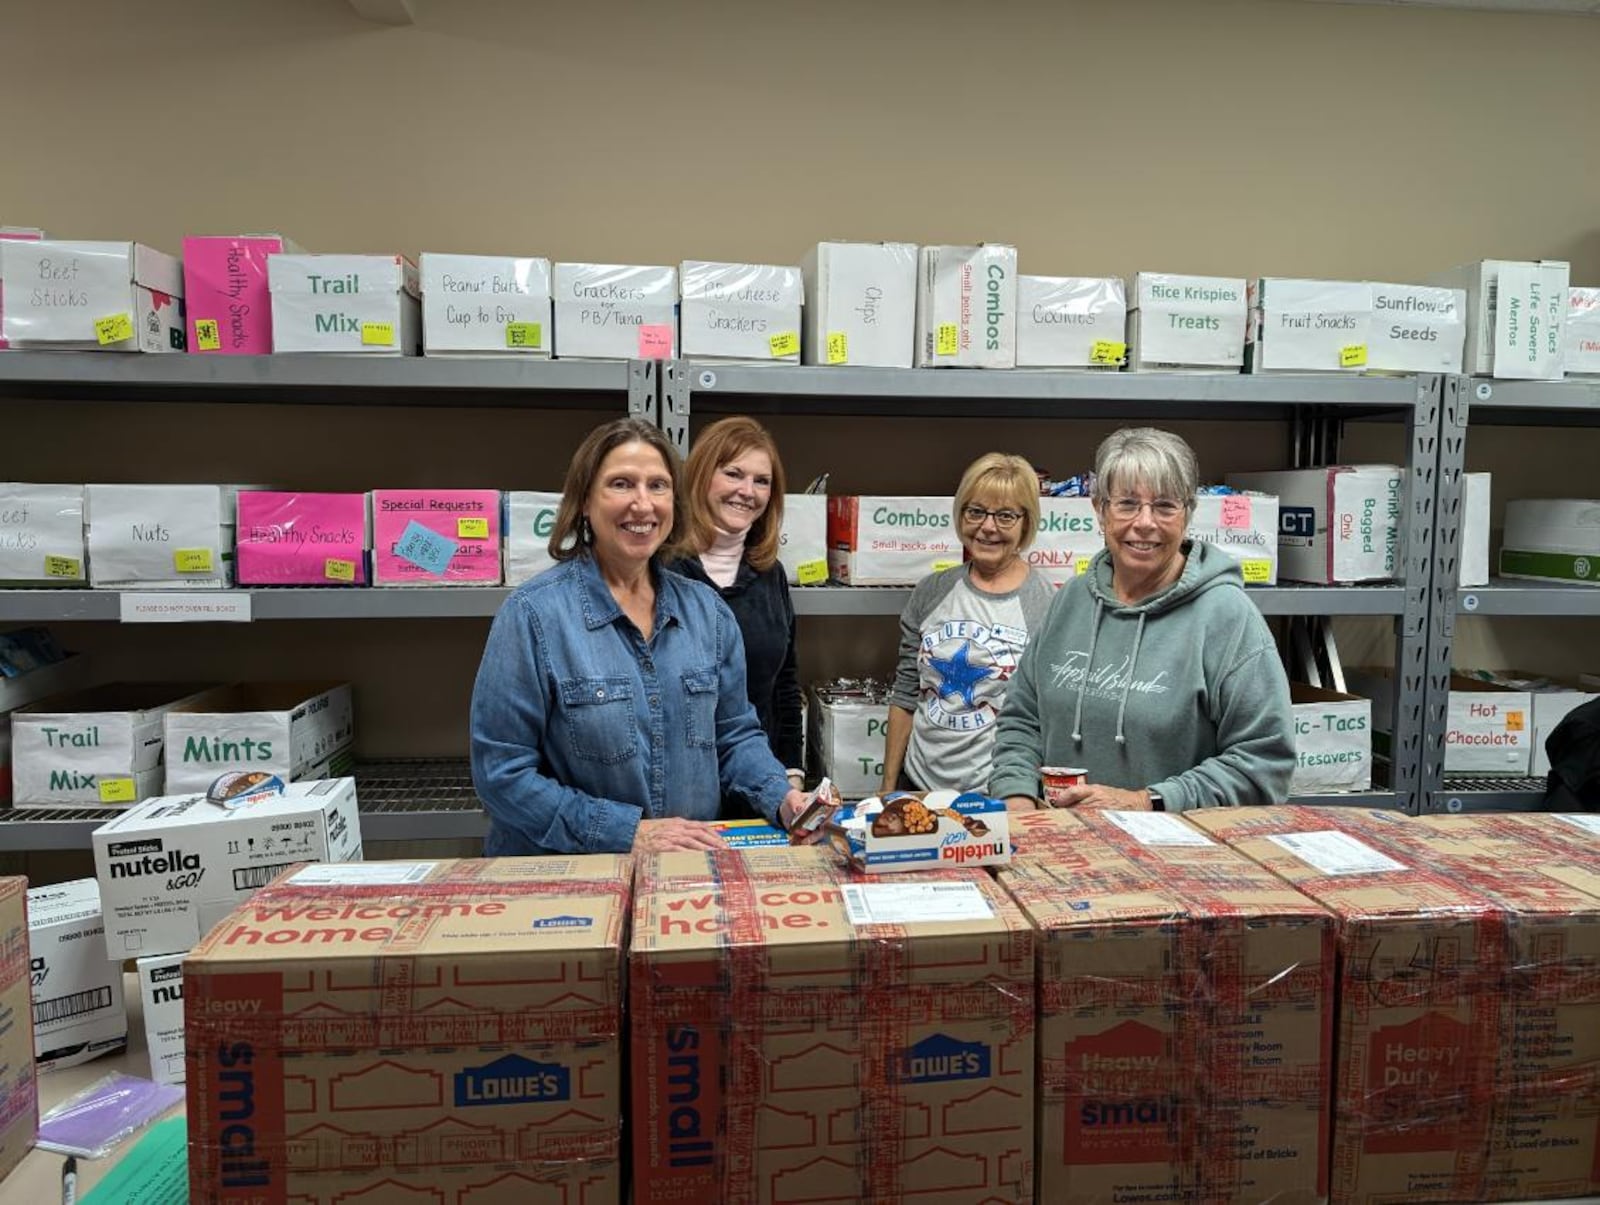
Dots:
pixel 581 727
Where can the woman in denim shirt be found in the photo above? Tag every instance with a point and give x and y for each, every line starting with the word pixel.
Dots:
pixel 610 712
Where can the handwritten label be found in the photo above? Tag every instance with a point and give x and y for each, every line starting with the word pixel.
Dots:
pixel 377 334
pixel 192 560
pixel 1354 356
pixel 207 336
pixel 948 340
pixel 424 548
pixel 168 607
pixel 655 341
pixel 336 570
pixel 1256 570
pixel 117 790
pixel 785 343
pixel 838 347
pixel 1235 510
pixel 524 334
pixel 472 529
pixel 1106 351
pixel 810 573
pixel 114 329
pixel 63 566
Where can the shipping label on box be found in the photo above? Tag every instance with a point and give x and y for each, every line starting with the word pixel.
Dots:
pixel 1332 740
pixel 530 517
pixel 41 534
pixel 285 729
pixel 1335 524
pixel 96 296
pixel 847 739
pixel 1187 322
pixel 1552 539
pixel 226 293
pixel 293 539
pixel 161 990
pixel 436 537
pixel 1309 325
pixel 78 1010
pixel 157 535
pixel 1071 322
pixel 19 1084
pixel 803 542
pixel 860 304
pixel 1582 337
pixel 883 541
pixel 12 234
pixel 967 306
pixel 741 311
pixel 172 867
pixel 1416 328
pixel 358 304
pixel 616 312
pixel 485 305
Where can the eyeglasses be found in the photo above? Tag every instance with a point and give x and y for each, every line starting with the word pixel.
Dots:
pixel 1162 509
pixel 1005 520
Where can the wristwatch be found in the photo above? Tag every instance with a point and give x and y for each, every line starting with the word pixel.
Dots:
pixel 1157 803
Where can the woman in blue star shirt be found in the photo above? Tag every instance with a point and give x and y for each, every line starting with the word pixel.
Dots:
pixel 962 633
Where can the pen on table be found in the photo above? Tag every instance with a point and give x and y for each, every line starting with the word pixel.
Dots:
pixel 69 1181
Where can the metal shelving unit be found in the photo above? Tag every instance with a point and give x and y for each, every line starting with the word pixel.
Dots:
pixel 1289 599
pixel 283 602
pixel 1487 793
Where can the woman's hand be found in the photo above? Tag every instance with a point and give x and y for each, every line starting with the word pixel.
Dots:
pixel 789 810
pixel 1091 796
pixel 674 832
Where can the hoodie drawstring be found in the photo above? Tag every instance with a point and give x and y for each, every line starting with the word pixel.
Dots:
pixel 1127 681
pixel 1094 637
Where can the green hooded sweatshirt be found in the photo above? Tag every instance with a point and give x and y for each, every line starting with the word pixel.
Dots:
pixel 1182 692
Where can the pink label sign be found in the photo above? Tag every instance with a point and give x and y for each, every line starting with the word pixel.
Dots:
pixel 469 518
pixel 302 539
pixel 225 282
pixel 655 341
pixel 1235 510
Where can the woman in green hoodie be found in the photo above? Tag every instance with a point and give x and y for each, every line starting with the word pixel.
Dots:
pixel 1153 670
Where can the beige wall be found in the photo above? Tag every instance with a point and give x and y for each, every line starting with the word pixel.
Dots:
pixel 1100 136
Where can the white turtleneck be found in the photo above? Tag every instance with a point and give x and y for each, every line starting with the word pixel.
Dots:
pixel 721 560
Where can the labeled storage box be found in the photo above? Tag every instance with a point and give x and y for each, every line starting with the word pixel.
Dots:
pixel 41 535
pixel 846 742
pixel 90 296
pixel 1194 323
pixel 740 312
pixel 1581 345
pixel 226 292
pixel 530 518
pixel 290 730
pixel 436 537
pixel 78 1009
pixel 1335 524
pixel 485 305
pixel 921 830
pixel 418 1032
pixel 295 539
pixel 1068 536
pixel 1245 526
pixel 1332 741
pixel 1308 325
pixel 1552 539
pixel 1071 322
pixel 1488 728
pixel 357 304
pixel 159 537
pixel 161 993
pixel 12 234
pixel 19 1084
pixel 39 683
pixel 616 312
pixel 175 865
pixel 1473 567
pixel 883 541
pixel 803 542
pixel 1516 317
pixel 91 747
pixel 1416 328
pixel 861 304
pixel 967 306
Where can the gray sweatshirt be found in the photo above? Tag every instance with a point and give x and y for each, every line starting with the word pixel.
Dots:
pixel 1182 692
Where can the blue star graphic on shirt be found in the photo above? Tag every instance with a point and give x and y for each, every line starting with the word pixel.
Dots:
pixel 958 676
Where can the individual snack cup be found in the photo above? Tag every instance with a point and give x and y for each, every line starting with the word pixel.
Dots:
pixel 1056 781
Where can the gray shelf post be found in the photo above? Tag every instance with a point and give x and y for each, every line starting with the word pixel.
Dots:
pixel 674 412
pixel 1443 579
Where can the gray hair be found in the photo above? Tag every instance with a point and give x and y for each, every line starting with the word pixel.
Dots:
pixel 1147 456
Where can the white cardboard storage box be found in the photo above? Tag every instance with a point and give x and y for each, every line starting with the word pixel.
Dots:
pixel 1068 535
pixel 1335 524
pixel 1552 539
pixel 175 865
pixel 967 306
pixel 100 746
pixel 1187 322
pixel 1488 728
pixel 78 1010
pixel 1582 337
pixel 177 537
pixel 54 679
pixel 1416 328
pixel 41 535
pixel 860 304
pixel 355 304
pixel 530 517
pixel 28 234
pixel 91 296
pixel 1308 325
pixel 803 542
pixel 1060 320
pixel 1245 526
pixel 1474 551
pixel 485 305
pixel 161 991
pixel 885 541
pixel 295 730
pixel 740 312
pixel 846 743
pixel 1516 317
pixel 616 312
pixel 1332 741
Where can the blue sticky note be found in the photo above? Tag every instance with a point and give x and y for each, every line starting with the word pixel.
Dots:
pixel 425 548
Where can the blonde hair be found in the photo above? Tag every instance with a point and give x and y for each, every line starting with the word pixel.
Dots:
pixel 723 442
pixel 1009 476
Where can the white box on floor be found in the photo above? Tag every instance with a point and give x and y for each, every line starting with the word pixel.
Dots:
pixel 616 312
pixel 881 541
pixel 1416 328
pixel 1308 325
pixel 175 865
pixel 355 304
pixel 1332 740
pixel 78 1009
pixel 1516 317
pixel 1582 336
pixel 294 730
pixel 1473 567
pixel 861 304
pixel 1061 319
pixel 967 306
pixel 159 536
pixel 803 542
pixel 161 990
pixel 1340 523
pixel 847 738
pixel 530 517
pixel 483 305
pixel 1488 728
pixel 1187 322
pixel 741 312
pixel 1552 539
pixel 91 296
pixel 41 534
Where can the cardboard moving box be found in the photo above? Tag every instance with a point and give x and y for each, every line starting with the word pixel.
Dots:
pixel 1340 523
pixel 78 1010
pixel 294 730
pixel 161 994
pixel 19 1084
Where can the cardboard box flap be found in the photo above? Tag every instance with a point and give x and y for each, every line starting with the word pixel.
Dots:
pixel 244 697
pixel 116 697
pixel 157 271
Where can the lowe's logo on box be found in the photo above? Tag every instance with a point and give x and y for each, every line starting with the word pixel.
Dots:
pixel 512 1080
pixel 940 1057
pixel 1297 525
pixel 564 922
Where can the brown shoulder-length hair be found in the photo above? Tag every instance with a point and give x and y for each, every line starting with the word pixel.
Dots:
pixel 571 536
pixel 723 441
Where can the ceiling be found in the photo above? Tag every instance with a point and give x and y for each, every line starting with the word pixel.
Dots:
pixel 1589 8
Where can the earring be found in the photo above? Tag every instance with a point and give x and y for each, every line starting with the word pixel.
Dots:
pixel 585 532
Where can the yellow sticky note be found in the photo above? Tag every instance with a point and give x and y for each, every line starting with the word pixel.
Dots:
pixel 941 566
pixel 524 334
pixel 786 343
pixel 838 348
pixel 114 329
pixel 117 790
pixel 472 529
pixel 62 566
pixel 377 334
pixel 1513 721
pixel 1354 356
pixel 1107 351
pixel 1082 565
pixel 947 342
pixel 339 571
pixel 207 336
pixel 1256 570
pixel 811 572
pixel 192 560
